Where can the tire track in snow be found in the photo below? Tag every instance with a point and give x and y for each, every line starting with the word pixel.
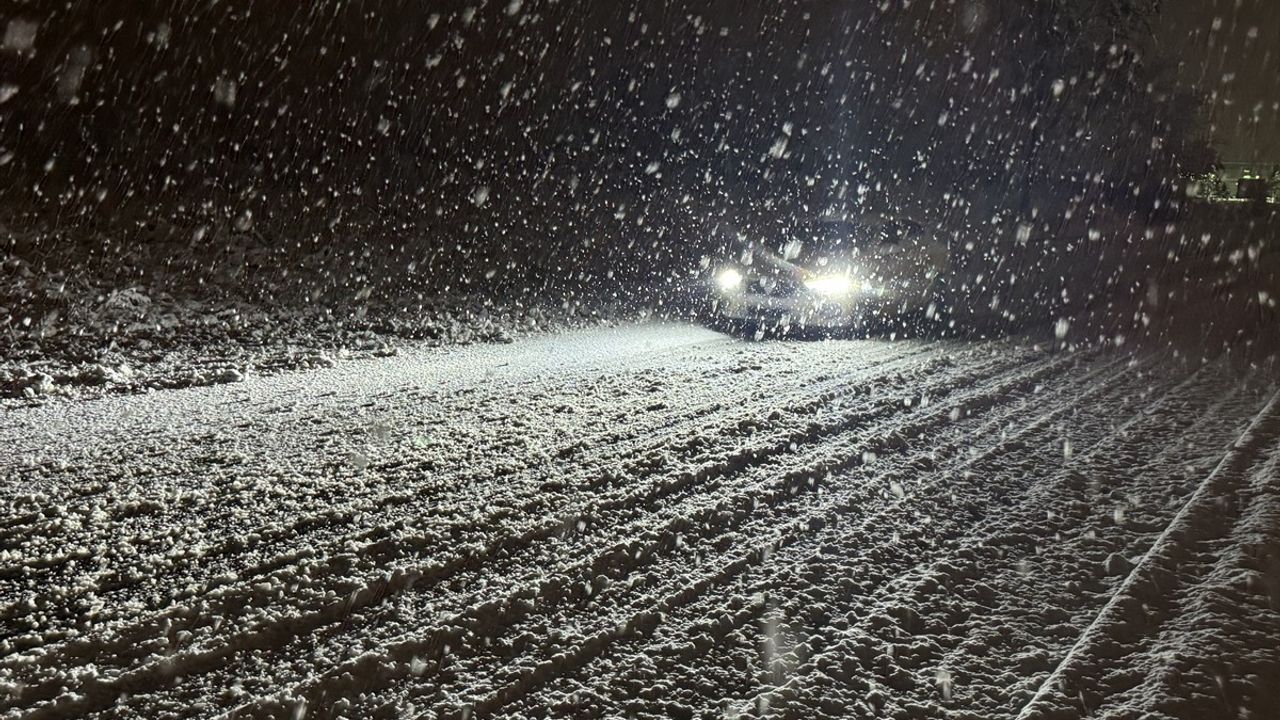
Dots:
pixel 106 447
pixel 167 666
pixel 1077 558
pixel 990 534
pixel 995 450
pixel 1206 647
pixel 1053 699
pixel 823 520
pixel 302 531
pixel 634 505
pixel 1011 595
pixel 735 462
pixel 985 392
pixel 347 513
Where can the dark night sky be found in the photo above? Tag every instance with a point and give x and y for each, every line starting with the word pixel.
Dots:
pixel 409 106
pixel 1230 51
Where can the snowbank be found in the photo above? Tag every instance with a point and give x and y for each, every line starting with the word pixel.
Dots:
pixel 69 336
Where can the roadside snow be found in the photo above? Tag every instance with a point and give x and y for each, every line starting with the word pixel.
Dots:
pixel 66 342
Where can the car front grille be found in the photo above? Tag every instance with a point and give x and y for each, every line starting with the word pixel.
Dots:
pixel 772 286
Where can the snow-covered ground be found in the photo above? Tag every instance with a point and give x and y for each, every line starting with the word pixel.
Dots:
pixel 89 341
pixel 654 521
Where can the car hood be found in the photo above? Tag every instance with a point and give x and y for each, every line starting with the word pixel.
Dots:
pixel 908 258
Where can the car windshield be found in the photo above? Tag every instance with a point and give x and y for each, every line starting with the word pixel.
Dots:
pixel 822 241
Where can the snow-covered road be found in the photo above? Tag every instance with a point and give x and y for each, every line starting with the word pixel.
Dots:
pixel 653 521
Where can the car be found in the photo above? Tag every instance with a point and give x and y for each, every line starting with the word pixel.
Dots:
pixel 833 273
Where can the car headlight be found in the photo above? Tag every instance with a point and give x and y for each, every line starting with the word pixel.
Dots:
pixel 830 285
pixel 729 279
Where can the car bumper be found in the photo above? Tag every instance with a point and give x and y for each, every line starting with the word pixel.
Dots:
pixel 807 311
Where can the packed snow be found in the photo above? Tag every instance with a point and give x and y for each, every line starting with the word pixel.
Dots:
pixel 653 521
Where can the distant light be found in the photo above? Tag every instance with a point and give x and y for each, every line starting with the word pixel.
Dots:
pixel 729 279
